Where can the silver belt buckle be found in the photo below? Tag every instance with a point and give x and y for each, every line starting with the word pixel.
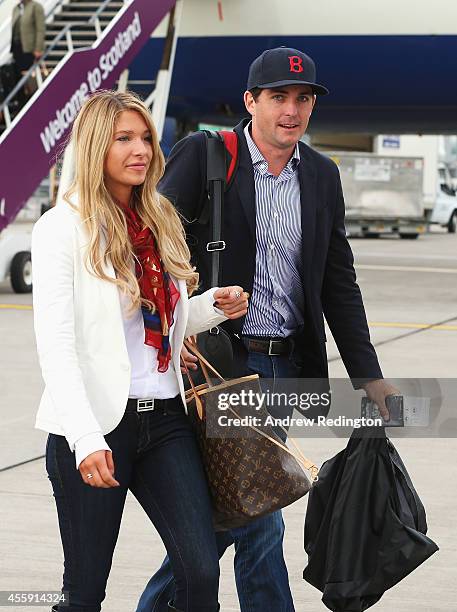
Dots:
pixel 144 405
pixel 270 349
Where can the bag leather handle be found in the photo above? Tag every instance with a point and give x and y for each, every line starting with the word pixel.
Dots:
pixel 198 401
pixel 192 346
pixel 299 457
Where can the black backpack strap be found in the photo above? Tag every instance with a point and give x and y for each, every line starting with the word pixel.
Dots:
pixel 230 139
pixel 216 169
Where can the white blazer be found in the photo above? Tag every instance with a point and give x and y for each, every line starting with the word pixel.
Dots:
pixel 80 335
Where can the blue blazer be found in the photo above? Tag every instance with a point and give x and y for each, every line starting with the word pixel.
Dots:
pixel 329 278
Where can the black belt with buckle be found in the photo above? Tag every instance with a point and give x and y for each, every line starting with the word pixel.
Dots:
pixel 268 346
pixel 172 405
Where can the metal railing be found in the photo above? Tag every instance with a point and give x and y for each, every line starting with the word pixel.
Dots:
pixel 95 19
pixel 7 24
pixel 35 70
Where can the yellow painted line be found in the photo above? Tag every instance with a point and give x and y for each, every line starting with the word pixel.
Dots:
pixel 414 326
pixel 406 269
pixel 15 307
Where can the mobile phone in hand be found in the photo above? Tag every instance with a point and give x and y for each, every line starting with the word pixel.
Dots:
pixel 404 411
pixel 394 404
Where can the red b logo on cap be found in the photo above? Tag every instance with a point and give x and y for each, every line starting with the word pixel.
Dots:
pixel 296 63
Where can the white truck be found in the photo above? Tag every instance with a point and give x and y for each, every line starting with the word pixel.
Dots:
pixel 15 260
pixel 15 242
pixel 439 199
pixel 385 195
pixel 444 210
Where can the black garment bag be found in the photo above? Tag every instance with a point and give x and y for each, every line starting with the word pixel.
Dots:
pixel 365 525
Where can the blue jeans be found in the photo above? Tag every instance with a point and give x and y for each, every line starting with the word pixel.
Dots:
pixel 157 458
pixel 260 571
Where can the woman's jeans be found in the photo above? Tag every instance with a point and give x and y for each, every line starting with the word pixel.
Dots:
pixel 260 571
pixel 156 457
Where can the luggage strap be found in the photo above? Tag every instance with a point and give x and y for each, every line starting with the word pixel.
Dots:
pixel 221 163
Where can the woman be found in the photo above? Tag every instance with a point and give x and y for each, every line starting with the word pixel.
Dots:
pixel 111 308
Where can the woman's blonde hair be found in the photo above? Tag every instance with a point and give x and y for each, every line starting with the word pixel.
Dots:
pixel 92 135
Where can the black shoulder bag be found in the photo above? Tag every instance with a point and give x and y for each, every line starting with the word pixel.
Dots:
pixel 215 344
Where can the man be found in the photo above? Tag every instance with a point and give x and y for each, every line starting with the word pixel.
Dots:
pixel 283 224
pixel 27 35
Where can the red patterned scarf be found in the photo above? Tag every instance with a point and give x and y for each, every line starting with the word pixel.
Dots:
pixel 155 285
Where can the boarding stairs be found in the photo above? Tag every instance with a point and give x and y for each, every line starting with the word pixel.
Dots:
pixel 89 46
pixel 70 25
pixel 88 20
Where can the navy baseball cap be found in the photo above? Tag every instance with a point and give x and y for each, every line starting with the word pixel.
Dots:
pixel 283 66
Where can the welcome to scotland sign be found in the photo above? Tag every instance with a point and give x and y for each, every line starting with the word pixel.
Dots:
pixel 29 149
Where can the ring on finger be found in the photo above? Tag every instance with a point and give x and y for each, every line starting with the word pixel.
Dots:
pixel 237 294
pixel 89 476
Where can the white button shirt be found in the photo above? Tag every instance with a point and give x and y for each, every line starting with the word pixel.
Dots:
pixel 145 382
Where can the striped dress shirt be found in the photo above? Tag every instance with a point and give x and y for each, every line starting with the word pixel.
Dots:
pixel 277 302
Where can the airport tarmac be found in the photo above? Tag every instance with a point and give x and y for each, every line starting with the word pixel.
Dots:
pixel 410 294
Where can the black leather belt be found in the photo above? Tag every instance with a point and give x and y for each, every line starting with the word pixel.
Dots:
pixel 172 405
pixel 268 346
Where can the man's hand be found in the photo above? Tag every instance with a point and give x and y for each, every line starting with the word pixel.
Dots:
pixel 233 301
pixel 101 465
pixel 188 359
pixel 37 54
pixel 377 391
